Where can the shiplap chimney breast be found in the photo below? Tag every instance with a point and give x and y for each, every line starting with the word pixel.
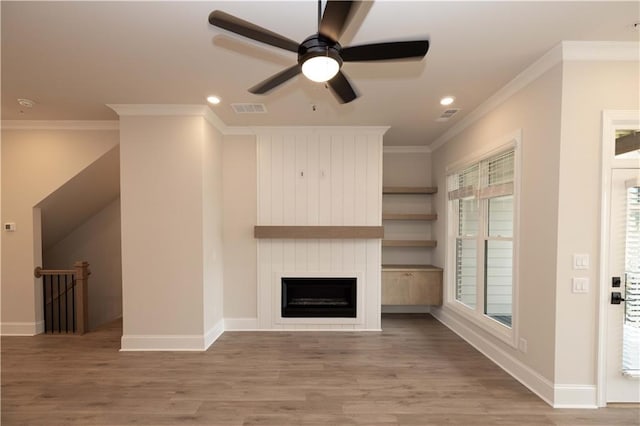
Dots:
pixel 319 176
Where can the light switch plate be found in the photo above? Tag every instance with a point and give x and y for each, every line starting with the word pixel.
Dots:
pixel 580 285
pixel 580 261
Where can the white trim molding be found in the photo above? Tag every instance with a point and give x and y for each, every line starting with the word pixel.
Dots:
pixel 21 328
pixel 178 110
pixel 564 51
pixel 241 324
pixel 172 342
pixel 575 396
pixel 407 149
pixel 60 125
pixel 611 121
pixel 522 80
pixel 214 333
pixel 531 379
pixel 600 51
pixel 158 109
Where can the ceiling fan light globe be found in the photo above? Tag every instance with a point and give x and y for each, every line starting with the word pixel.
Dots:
pixel 320 68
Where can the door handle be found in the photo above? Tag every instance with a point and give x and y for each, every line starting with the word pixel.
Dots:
pixel 616 298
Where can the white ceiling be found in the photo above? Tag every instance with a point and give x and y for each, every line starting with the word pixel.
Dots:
pixel 72 58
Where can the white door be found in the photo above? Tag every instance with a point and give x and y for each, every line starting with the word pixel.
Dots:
pixel 623 316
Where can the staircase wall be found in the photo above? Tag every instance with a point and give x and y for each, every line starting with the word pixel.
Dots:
pixel 97 241
pixel 34 164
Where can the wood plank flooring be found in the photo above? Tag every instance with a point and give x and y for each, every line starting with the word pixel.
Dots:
pixel 416 372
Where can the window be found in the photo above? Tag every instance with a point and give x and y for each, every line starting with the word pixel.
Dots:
pixel 481 218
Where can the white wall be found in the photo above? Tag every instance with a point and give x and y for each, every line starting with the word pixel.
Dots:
pixel 536 111
pixel 212 229
pixel 169 184
pixel 54 156
pixel 97 241
pixel 240 215
pixel 588 88
pixel 319 176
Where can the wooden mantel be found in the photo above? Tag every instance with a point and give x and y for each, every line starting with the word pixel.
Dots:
pixel 315 232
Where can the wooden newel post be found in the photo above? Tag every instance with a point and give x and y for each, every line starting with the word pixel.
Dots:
pixel 82 295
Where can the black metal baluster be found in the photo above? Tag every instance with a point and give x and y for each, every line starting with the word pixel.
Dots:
pixel 44 301
pixel 58 293
pixel 66 303
pixel 51 301
pixel 73 301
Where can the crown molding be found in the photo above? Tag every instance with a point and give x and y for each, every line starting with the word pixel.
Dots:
pixel 408 149
pixel 179 110
pixel 158 109
pixel 600 51
pixel 535 70
pixel 268 130
pixel 564 51
pixel 60 125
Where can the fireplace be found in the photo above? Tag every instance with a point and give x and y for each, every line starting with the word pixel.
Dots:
pixel 315 297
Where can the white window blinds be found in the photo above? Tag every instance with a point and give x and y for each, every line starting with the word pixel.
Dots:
pixel 492 177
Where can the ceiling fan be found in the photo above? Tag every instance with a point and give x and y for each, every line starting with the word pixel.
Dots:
pixel 320 56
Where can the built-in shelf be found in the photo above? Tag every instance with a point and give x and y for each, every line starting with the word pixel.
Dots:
pixel 406 285
pixel 409 190
pixel 316 232
pixel 409 243
pixel 409 216
pixel 410 268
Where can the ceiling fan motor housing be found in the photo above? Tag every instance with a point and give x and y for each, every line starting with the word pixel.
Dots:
pixel 319 45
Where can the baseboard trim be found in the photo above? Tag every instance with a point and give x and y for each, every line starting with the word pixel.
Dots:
pixel 21 328
pixel 251 324
pixel 575 396
pixel 519 371
pixel 213 334
pixel 405 309
pixel 241 324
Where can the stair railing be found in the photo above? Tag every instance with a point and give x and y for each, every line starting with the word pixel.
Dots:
pixel 65 298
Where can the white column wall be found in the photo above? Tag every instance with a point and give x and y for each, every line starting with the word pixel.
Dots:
pixel 170 269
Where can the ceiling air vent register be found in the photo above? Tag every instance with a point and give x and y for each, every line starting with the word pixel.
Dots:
pixel 447 114
pixel 244 108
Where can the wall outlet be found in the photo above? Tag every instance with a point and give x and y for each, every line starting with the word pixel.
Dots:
pixel 522 345
pixel 10 227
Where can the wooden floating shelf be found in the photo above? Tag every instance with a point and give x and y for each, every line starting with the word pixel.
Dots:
pixel 408 216
pixel 317 232
pixel 409 189
pixel 409 243
pixel 410 268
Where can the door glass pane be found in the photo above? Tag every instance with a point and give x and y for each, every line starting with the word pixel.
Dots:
pixel 498 280
pixel 627 144
pixel 466 260
pixel 501 217
pixel 631 327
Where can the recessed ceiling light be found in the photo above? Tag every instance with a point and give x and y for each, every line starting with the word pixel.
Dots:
pixel 213 100
pixel 447 100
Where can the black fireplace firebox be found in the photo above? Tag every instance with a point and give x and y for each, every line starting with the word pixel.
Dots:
pixel 319 297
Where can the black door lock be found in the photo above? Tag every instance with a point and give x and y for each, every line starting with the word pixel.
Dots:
pixel 616 298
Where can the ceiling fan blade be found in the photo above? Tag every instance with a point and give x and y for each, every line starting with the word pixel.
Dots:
pixel 334 19
pixel 276 80
pixel 342 88
pixel 386 51
pixel 228 22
